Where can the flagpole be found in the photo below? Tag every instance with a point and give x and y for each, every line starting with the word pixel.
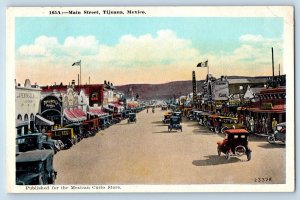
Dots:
pixel 207 68
pixel 80 71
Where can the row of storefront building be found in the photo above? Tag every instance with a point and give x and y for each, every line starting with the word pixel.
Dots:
pixel 262 99
pixel 57 105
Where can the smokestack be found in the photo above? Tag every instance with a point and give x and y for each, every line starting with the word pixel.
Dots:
pixel 272 65
pixel 78 79
pixel 279 70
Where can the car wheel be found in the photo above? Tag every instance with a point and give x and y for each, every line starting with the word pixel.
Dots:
pixel 223 130
pixel 249 156
pixel 217 130
pixel 219 151
pixel 200 121
pixel 271 139
pixel 227 155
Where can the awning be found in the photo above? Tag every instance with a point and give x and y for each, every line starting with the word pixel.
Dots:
pixel 74 115
pixel 274 110
pixel 96 111
pixel 20 123
pixel 41 121
pixel 78 113
pixel 69 115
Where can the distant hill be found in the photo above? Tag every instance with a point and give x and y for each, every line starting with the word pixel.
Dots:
pixel 171 89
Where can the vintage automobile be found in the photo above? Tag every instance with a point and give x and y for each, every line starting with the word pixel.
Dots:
pixel 66 135
pixel 104 122
pixel 235 144
pixel 230 123
pixel 35 168
pixel 214 123
pixel 174 124
pixel 90 127
pixel 177 114
pixel 117 118
pixel 279 134
pixel 167 117
pixel 132 118
pixel 164 107
pixel 36 141
pixel 77 128
pixel 125 113
pixel 190 115
pixel 203 117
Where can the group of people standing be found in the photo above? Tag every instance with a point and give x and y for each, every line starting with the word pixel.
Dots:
pixel 260 125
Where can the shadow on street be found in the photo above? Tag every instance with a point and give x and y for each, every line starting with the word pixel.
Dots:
pixel 215 160
pixel 272 146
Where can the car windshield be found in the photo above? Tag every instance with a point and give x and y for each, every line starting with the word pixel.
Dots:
pixel 29 167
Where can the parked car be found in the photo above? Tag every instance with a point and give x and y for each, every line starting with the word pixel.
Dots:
pixel 90 127
pixel 230 123
pixel 190 115
pixel 203 117
pixel 35 141
pixel 235 144
pixel 104 122
pixel 132 118
pixel 35 168
pixel 66 135
pixel 279 134
pixel 174 124
pixel 77 129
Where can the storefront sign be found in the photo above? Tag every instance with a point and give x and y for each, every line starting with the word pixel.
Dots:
pixel 50 102
pixel 220 90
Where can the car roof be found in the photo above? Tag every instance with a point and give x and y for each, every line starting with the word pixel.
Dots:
pixel 236 131
pixel 28 135
pixel 175 117
pixel 32 156
pixel 61 129
pixel 282 124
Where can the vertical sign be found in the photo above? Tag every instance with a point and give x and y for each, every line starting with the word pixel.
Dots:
pixel 194 89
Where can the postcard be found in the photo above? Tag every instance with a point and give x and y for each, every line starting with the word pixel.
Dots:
pixel 150 99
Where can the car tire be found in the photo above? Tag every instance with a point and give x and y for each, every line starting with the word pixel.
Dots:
pixel 223 130
pixel 271 139
pixel 219 151
pixel 201 122
pixel 217 130
pixel 249 156
pixel 227 155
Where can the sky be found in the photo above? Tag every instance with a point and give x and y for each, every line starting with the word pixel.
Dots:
pixel 144 50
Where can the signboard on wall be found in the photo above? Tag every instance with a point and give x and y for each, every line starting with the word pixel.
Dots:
pixel 220 90
pixel 50 102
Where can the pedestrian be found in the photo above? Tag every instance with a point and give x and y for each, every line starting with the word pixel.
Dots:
pixel 274 125
pixel 147 109
pixel 251 122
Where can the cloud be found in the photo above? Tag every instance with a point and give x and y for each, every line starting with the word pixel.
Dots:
pixel 156 58
pixel 251 38
pixel 251 58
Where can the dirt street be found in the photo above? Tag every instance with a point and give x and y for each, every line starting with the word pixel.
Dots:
pixel 146 153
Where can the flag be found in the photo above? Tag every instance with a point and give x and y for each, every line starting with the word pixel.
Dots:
pixel 203 64
pixel 77 63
